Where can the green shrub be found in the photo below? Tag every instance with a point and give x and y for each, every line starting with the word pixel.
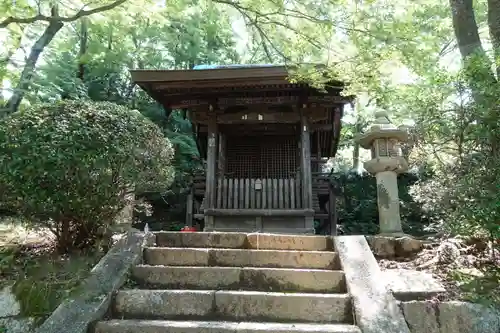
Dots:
pixel 357 204
pixel 68 166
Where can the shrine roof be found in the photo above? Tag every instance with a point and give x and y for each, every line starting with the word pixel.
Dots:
pixel 211 75
pixel 171 87
pixel 198 67
pixel 217 75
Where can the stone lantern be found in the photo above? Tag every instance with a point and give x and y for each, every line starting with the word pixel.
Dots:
pixel 384 140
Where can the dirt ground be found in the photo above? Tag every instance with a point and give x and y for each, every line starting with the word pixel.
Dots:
pixel 468 269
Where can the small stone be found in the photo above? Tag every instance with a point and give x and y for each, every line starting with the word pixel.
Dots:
pixel 471 271
pixel 394 247
pixel 448 253
pixel 407 245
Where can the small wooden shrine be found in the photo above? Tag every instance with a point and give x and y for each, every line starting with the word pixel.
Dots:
pixel 265 142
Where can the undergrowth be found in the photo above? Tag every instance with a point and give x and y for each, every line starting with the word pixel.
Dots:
pixel 40 277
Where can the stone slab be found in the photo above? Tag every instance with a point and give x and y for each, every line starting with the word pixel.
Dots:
pixel 410 285
pixel 376 310
pixel 240 257
pixel 163 326
pixel 177 256
pixel 461 317
pixel 274 258
pixel 450 317
pixel 247 278
pixel 138 303
pixel 292 307
pixel 421 317
pixel 286 328
pixel 95 293
pixel 303 280
pixel 172 277
pixel 232 305
pixel 234 240
pixel 239 240
pixel 289 242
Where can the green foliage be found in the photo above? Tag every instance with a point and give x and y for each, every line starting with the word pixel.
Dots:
pixel 480 288
pixel 187 159
pixel 41 279
pixel 464 197
pixel 358 212
pixel 69 165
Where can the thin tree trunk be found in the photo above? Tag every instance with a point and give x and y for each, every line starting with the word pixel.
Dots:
pixel 84 36
pixel 29 68
pixel 56 22
pixel 355 152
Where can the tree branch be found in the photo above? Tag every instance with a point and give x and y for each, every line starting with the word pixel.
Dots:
pixel 50 19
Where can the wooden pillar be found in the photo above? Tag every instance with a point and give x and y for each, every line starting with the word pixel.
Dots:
pixel 305 146
pixel 211 169
pixel 332 210
pixel 221 166
pixel 221 160
pixel 189 207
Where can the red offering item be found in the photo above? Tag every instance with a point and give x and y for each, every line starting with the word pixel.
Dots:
pixel 188 229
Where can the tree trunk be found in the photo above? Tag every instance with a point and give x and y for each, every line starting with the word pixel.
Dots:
pixel 84 36
pixel 494 27
pixel 355 157
pixel 469 44
pixel 465 26
pixel 358 127
pixel 29 68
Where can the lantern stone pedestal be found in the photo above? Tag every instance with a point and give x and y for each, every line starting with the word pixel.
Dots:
pixel 384 139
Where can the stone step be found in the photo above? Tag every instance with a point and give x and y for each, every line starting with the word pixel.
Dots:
pixel 233 305
pixel 240 278
pixel 238 240
pixel 241 258
pixel 165 326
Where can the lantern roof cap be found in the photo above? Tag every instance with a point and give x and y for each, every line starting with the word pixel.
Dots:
pixel 382 128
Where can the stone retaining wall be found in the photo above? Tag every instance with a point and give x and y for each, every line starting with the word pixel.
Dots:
pixel 91 303
pixel 450 317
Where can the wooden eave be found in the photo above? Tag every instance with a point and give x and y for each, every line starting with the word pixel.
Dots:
pixel 226 76
pixel 173 87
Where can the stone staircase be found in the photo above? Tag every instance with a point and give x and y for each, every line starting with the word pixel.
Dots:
pixel 234 283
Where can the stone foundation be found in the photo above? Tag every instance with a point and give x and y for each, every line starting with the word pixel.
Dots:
pixel 266 224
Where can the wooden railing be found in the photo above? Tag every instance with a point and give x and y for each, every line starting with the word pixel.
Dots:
pixel 267 193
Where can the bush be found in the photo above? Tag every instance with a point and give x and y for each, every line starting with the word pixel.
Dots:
pixel 69 166
pixel 357 205
pixel 464 197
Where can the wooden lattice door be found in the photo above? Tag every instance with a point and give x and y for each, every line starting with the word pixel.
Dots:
pixel 261 172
